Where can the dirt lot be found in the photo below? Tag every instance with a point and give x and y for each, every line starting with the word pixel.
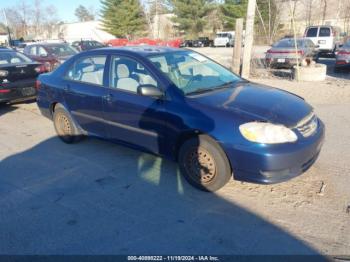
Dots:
pixel 95 197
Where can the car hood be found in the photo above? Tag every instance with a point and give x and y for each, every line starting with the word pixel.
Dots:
pixel 259 102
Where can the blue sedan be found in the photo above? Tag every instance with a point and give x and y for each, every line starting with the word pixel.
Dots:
pixel 181 105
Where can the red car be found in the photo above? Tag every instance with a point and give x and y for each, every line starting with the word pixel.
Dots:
pixel 50 54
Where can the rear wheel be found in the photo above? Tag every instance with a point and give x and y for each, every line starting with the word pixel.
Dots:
pixel 204 164
pixel 65 127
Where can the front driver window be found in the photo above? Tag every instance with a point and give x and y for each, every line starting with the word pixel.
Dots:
pixel 88 69
pixel 127 74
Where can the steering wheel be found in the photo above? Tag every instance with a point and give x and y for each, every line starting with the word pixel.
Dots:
pixel 192 79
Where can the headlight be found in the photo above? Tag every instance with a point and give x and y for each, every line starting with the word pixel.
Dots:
pixel 266 133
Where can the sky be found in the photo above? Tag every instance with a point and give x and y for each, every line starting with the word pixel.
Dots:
pixel 65 8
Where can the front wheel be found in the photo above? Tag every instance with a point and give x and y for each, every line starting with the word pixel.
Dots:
pixel 204 164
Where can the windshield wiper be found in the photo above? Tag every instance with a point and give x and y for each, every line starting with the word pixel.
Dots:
pixel 205 90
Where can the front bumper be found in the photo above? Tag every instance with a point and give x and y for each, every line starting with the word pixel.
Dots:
pixel 18 91
pixel 269 164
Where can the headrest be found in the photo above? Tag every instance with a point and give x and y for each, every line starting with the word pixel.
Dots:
pixel 158 65
pixel 123 71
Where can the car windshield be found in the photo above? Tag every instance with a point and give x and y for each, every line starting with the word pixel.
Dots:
pixel 222 35
pixel 288 43
pixel 94 44
pixel 61 50
pixel 347 44
pixel 13 58
pixel 193 73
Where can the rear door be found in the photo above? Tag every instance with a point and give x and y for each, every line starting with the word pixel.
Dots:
pixel 312 33
pixel 84 88
pixel 325 38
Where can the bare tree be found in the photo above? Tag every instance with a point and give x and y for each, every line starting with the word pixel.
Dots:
pixel 24 11
pixel 37 17
pixel 324 11
pixel 272 22
pixel 51 21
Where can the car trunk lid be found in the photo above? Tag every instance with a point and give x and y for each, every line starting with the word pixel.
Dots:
pixel 20 71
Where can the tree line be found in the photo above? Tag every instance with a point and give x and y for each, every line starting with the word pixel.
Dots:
pixel 128 18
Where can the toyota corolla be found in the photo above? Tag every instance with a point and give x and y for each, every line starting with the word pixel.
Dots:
pixel 181 105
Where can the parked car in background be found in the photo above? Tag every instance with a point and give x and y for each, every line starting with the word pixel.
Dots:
pixel 224 39
pixel 18 74
pixel 187 43
pixel 202 42
pixel 21 46
pixel 50 54
pixel 343 57
pixel 181 105
pixel 85 45
pixel 328 38
pixel 284 54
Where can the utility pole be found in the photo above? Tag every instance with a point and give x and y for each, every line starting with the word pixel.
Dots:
pixel 237 51
pixel 249 38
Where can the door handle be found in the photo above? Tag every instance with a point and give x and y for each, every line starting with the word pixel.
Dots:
pixel 66 88
pixel 108 98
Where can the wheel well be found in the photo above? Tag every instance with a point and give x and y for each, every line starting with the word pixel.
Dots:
pixel 182 138
pixel 52 108
pixel 191 134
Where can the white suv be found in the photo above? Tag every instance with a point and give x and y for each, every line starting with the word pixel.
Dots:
pixel 326 37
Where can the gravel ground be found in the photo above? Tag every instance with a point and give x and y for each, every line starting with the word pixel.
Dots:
pixel 98 198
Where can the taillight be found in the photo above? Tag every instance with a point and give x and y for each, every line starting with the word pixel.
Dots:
pixel 3 73
pixel 300 52
pixel 47 66
pixel 37 84
pixel 4 91
pixel 41 69
pixel 343 53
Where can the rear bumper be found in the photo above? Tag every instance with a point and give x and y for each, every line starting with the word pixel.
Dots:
pixel 344 65
pixel 18 91
pixel 273 164
pixel 288 63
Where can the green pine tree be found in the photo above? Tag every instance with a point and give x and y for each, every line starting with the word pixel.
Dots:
pixel 123 18
pixel 231 10
pixel 191 15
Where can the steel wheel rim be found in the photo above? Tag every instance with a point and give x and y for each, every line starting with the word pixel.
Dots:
pixel 200 165
pixel 63 125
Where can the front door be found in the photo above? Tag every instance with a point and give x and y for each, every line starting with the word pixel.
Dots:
pixel 83 93
pixel 130 117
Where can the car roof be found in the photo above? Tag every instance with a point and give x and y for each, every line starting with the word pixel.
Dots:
pixel 47 44
pixel 5 49
pixel 143 50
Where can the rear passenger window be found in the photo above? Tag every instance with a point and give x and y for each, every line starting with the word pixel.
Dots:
pixel 88 69
pixel 32 50
pixel 325 31
pixel 312 32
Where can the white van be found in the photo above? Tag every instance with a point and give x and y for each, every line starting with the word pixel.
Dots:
pixel 328 38
pixel 224 39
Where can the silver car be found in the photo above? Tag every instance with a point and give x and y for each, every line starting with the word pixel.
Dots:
pixel 284 54
pixel 343 57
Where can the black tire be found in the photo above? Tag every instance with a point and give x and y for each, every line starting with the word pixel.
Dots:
pixel 204 164
pixel 65 127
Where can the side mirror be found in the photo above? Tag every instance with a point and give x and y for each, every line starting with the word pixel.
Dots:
pixel 317 46
pixel 150 90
